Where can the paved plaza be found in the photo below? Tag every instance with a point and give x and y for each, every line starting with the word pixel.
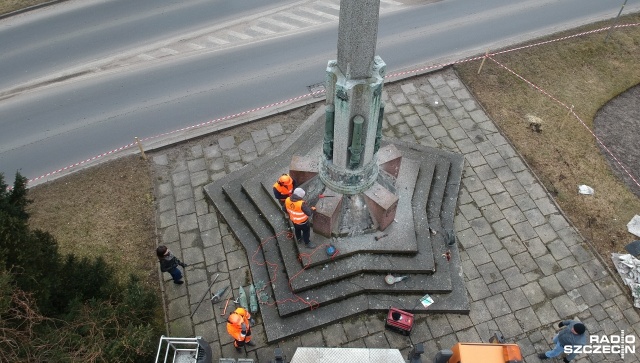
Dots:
pixel 525 267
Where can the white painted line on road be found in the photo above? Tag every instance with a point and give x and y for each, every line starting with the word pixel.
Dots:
pixel 318 13
pixel 298 17
pixel 217 41
pixel 259 29
pixel 146 56
pixel 328 4
pixel 279 23
pixel 195 46
pixel 238 35
pixel 169 50
pixel 391 2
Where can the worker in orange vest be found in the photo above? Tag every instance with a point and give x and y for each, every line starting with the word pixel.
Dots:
pixel 239 327
pixel 299 213
pixel 283 187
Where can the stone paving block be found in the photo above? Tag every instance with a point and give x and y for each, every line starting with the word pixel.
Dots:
pixel 196 165
pixel 184 207
pixel 546 233
pixel 567 262
pixel 535 247
pixel 546 206
pixel 470 211
pixel 406 110
pixel 199 178
pixel 524 202
pixel 491 243
pixel 479 312
pixel 513 244
pixel 194 274
pixel 164 189
pixel 178 307
pixel 503 200
pixel 457 134
pixel 478 255
pixel 569 236
pixel 565 307
pixel 486 330
pixel 486 148
pixel 181 178
pixel 217 164
pixel 181 327
pixel 334 335
pixel 631 315
pixel 211 237
pixel 207 222
pixel 459 322
pixel 551 286
pixel 478 116
pixel 481 197
pixel 608 287
pixel 187 222
pixel 179 166
pixel 515 216
pixel 498 287
pixel 480 226
pixel 466 146
pixel 193 255
pixel 525 262
pixel 460 114
pixel 202 207
pixel 558 249
pixel 396 340
pixel 376 341
pixel 484 172
pixel 517 166
pixel 447 341
pixel 527 319
pixel 167 218
pixel 502 229
pixel 236 259
pixel 509 326
pixel 470 270
pixel 232 156
pixel 473 184
pixel 439 326
pixel 275 129
pixel 183 192
pixel 546 313
pixel 496 161
pixel 403 129
pixel 376 323
pixel 468 335
pixel 165 203
pixel 190 239
pixel 227 142
pixel 502 259
pixel 212 152
pixel 494 186
pixel 595 270
pixel 497 305
pixel 214 254
pixel 420 131
pixel 514 277
pixel 492 213
pixel 437 131
pixel 235 166
pixel 249 157
pixel 568 279
pixel 420 332
pixel 478 289
pixel 170 234
pixel 399 99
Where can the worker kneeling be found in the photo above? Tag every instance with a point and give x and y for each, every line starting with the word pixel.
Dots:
pixel 239 327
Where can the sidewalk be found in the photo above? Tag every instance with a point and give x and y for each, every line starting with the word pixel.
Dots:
pixel 525 266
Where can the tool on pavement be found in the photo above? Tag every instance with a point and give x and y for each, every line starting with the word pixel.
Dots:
pixel 377 238
pixel 242 296
pixel 217 296
pixel 253 300
pixel 390 279
pixel 224 311
pixel 205 294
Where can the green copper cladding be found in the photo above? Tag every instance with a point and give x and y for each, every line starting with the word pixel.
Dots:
pixel 327 147
pixel 356 142
pixel 376 147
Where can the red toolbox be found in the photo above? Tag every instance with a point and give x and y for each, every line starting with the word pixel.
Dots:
pixel 399 321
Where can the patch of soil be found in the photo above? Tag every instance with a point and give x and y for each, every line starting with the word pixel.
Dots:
pixel 617 126
pixel 105 211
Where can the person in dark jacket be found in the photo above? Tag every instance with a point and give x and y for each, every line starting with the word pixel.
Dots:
pixel 299 213
pixel 574 334
pixel 169 263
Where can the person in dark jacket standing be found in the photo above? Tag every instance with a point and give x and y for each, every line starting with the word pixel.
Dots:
pixel 299 213
pixel 169 263
pixel 574 334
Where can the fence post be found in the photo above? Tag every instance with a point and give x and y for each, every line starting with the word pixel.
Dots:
pixel 483 59
pixel 144 156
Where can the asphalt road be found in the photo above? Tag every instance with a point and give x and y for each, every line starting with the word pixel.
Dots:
pixel 49 128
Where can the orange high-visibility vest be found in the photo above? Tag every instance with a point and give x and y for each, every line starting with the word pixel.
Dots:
pixel 283 189
pixel 234 325
pixel 294 209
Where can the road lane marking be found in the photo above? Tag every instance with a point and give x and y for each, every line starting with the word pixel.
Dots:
pixel 217 40
pixel 319 13
pixel 298 18
pixel 169 50
pixel 238 35
pixel 259 29
pixel 279 23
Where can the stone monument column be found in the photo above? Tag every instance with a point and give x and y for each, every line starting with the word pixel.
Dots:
pixel 353 108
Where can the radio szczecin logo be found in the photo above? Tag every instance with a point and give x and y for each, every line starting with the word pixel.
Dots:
pixel 606 344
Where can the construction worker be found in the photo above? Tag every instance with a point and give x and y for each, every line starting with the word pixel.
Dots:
pixel 239 327
pixel 299 213
pixel 283 188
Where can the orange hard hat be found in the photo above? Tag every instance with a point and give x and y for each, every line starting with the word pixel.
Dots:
pixel 235 319
pixel 285 179
pixel 240 311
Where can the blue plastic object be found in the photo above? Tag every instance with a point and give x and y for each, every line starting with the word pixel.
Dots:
pixel 331 250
